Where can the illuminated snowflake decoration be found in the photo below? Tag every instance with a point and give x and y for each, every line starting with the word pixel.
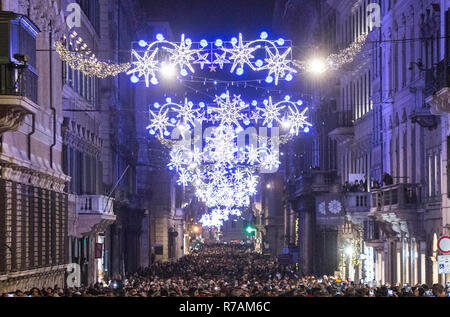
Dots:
pixel 222 171
pixel 241 54
pixel 297 120
pixel 277 64
pixel 335 207
pixel 271 112
pixel 229 111
pixel 150 60
pixel 181 54
pixel 160 123
pixel 145 66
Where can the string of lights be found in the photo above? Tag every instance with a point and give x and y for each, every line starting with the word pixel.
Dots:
pixel 83 60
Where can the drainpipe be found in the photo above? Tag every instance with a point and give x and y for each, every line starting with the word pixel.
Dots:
pixel 51 94
pixel 33 129
pixel 381 103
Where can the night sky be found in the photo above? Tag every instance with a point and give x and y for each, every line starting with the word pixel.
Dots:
pixel 210 19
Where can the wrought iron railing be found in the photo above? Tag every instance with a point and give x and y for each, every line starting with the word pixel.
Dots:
pixel 18 82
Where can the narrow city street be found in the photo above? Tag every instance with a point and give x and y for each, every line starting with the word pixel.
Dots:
pixel 224 148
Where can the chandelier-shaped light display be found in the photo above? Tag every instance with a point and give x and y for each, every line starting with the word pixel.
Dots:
pixel 223 166
pixel 162 57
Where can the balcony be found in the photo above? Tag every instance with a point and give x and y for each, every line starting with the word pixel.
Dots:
pixel 396 198
pixel 18 78
pixel 438 88
pixel 357 202
pixel 95 214
pixel 345 130
pixel 317 182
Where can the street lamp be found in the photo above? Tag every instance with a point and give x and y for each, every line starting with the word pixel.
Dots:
pixel 348 251
pixel 167 70
pixel 317 66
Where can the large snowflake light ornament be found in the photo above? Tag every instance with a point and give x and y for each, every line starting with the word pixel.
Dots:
pixel 241 54
pixel 182 54
pixel 229 111
pixel 277 64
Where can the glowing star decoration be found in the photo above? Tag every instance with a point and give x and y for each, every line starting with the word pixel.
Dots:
pixel 270 160
pixel 220 60
pixel 271 112
pixel 186 112
pixel 241 54
pixel 181 55
pixel 297 120
pixel 277 64
pixel 229 110
pixel 202 59
pixel 176 160
pixel 184 177
pixel 145 66
pixel 253 155
pixel 160 122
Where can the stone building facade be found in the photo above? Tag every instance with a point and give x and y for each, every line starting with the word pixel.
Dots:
pixel 390 103
pixel 33 212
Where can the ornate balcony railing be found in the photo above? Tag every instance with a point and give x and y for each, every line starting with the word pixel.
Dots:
pixel 396 197
pixel 95 204
pixel 14 82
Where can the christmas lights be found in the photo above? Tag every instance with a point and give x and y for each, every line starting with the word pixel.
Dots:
pixel 88 64
pixel 239 53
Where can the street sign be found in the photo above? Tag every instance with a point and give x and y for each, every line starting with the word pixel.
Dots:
pixel 443 244
pixel 444 264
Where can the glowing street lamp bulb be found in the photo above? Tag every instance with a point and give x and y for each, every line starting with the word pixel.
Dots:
pixel 167 70
pixel 142 43
pixel 317 66
pixel 196 229
pixel 264 35
pixel 160 37
pixel 219 43
pixel 268 186
pixel 134 79
pixel 286 124
pixel 348 250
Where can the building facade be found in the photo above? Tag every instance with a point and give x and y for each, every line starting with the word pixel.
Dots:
pixel 390 103
pixel 34 205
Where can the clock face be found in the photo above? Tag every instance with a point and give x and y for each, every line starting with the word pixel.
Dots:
pixel 335 207
pixel 322 208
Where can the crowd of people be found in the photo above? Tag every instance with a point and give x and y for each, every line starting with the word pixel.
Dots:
pixel 231 271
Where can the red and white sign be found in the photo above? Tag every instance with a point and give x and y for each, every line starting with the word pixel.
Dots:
pixel 443 244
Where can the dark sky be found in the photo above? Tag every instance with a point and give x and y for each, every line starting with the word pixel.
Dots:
pixel 210 19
